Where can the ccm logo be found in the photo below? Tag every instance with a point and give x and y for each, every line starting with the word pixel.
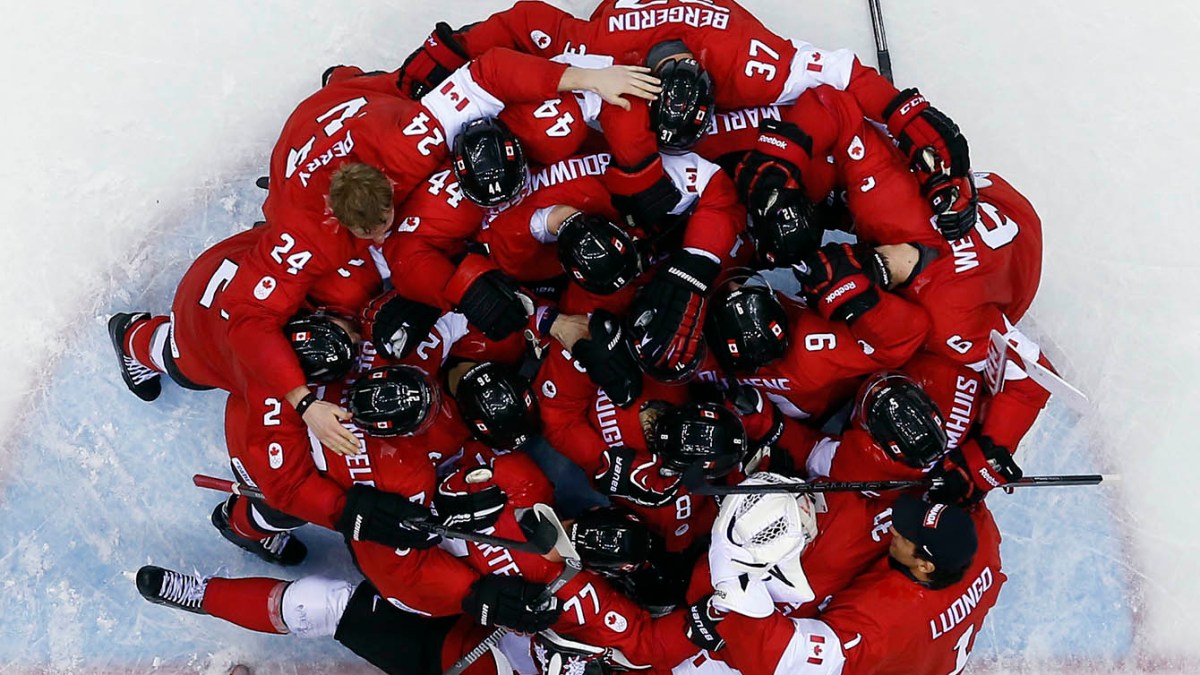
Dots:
pixel 907 107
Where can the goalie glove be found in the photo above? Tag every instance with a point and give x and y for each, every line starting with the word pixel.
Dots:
pixel 938 153
pixel 971 471
pixel 437 57
pixel 608 359
pixel 396 325
pixel 635 477
pixel 671 312
pixel 374 515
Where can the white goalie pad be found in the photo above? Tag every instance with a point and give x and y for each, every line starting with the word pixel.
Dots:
pixel 313 606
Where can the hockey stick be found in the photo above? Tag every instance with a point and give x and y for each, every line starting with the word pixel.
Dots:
pixel 695 482
pixel 540 542
pixel 571 566
pixel 881 48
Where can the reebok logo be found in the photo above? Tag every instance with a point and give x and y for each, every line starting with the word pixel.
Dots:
pixel 772 140
pixel 987 476
pixel 841 290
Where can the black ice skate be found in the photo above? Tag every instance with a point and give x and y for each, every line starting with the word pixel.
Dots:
pixel 144 382
pixel 281 548
pixel 171 588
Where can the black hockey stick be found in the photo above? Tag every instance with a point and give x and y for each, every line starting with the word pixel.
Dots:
pixel 571 566
pixel 541 541
pixel 694 481
pixel 881 48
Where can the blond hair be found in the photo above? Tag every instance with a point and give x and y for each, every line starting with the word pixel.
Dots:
pixel 360 196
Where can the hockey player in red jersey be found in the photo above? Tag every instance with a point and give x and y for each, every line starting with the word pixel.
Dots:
pixel 311 231
pixel 917 611
pixel 808 360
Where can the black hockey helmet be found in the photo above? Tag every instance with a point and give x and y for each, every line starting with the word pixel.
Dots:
pixel 599 255
pixel 639 319
pixel 680 115
pixel 746 327
pixel 393 401
pixel 326 351
pixel 498 406
pixel 611 540
pixel 700 432
pixel 787 231
pixel 901 418
pixel 489 163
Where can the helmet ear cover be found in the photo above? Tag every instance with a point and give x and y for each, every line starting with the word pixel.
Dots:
pixel 498 406
pixel 683 110
pixel 325 350
pixel 393 401
pixel 489 163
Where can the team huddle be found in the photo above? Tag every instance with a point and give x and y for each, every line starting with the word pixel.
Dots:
pixel 510 327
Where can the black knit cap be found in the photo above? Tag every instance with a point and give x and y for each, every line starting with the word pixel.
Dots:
pixel 943 533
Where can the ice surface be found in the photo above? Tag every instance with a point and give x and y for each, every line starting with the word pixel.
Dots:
pixel 136 130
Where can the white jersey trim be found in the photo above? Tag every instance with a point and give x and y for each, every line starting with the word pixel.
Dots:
pixel 813 67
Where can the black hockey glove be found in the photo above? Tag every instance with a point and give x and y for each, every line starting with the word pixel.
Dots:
pixel 396 325
pixel 643 194
pixel 701 621
pixel 774 166
pixel 498 600
pixel 636 479
pixel 437 57
pixel 378 516
pixel 676 299
pixel 608 358
pixel 836 282
pixel 968 473
pixel 475 508
pixel 938 153
pixel 493 304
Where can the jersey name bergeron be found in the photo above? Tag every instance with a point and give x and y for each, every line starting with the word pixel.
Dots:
pixel 696 17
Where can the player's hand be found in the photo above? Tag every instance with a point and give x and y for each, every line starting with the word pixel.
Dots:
pixel 701 621
pixel 677 300
pixel 635 477
pixel 837 284
pixel 468 498
pixel 396 325
pixel 968 473
pixel 325 419
pixel 498 600
pixel 614 83
pixel 371 514
pixel 608 358
pixel 569 329
pixel 643 194
pixel 494 304
pixel 437 57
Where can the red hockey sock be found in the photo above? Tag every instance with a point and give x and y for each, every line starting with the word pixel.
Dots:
pixel 253 602
pixel 139 338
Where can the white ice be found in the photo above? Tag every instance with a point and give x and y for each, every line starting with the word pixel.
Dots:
pixel 135 130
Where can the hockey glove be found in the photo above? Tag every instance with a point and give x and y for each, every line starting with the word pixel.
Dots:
pixel 970 472
pixel 609 360
pixel 836 283
pixel 498 600
pixel 396 325
pixel 643 194
pixel 774 166
pixel 701 621
pixel 938 153
pixel 635 477
pixel 374 515
pixel 677 297
pixel 493 304
pixel 764 427
pixel 434 61
pixel 469 499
